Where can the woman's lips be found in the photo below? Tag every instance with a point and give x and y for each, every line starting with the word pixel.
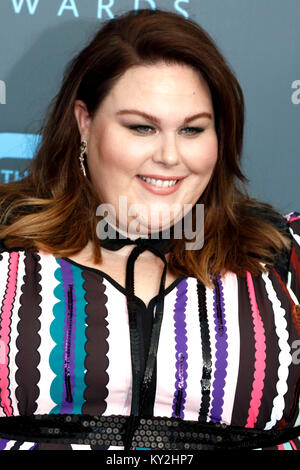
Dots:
pixel 159 190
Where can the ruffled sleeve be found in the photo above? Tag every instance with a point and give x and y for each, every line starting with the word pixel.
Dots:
pixel 288 268
pixel 293 281
pixel 293 286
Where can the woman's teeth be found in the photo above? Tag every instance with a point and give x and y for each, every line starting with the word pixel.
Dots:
pixel 160 183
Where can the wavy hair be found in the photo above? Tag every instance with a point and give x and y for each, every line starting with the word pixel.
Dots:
pixel 47 210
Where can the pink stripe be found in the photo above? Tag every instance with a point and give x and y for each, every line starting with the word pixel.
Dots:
pixel 260 357
pixel 293 445
pixel 6 313
pixel 280 447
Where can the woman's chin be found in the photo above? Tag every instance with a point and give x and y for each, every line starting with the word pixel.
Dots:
pixel 147 230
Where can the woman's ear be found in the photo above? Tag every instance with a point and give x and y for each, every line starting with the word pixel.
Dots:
pixel 83 119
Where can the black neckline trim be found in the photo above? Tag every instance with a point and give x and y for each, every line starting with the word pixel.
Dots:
pixel 121 288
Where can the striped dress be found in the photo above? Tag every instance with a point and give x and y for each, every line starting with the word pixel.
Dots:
pixel 232 351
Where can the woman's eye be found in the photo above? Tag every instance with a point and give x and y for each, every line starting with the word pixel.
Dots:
pixel 141 129
pixel 193 130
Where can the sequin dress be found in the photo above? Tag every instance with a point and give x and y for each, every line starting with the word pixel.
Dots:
pixel 228 354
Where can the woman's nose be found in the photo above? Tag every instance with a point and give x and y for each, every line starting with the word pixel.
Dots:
pixel 167 151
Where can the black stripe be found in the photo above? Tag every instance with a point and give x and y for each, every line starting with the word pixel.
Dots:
pixel 247 356
pixel 145 321
pixel 17 445
pixel 96 347
pixel 206 352
pixel 28 340
pixel 269 391
pixel 69 397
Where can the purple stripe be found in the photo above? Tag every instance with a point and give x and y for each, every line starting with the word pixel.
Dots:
pixel 3 443
pixel 181 351
pixel 221 352
pixel 69 335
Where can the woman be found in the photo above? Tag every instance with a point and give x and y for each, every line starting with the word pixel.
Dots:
pixel 135 341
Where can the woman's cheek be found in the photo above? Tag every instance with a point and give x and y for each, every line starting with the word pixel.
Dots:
pixel 204 159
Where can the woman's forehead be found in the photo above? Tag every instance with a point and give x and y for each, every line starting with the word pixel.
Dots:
pixel 160 87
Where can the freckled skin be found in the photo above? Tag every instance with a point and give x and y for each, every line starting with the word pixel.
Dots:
pixel 116 154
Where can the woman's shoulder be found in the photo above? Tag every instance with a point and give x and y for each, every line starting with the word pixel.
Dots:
pixel 285 223
pixel 293 225
pixel 288 225
pixel 293 221
pixel 266 212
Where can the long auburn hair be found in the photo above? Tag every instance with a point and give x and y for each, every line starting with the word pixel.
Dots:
pixel 54 207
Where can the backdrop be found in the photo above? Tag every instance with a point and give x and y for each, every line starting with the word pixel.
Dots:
pixel 259 38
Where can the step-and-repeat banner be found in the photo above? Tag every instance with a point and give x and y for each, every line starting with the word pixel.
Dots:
pixel 259 38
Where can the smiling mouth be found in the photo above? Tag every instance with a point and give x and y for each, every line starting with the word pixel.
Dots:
pixel 160 183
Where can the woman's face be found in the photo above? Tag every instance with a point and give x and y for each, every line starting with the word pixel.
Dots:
pixel 156 122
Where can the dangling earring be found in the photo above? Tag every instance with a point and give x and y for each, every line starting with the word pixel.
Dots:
pixel 82 154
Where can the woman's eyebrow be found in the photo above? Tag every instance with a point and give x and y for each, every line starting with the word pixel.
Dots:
pixel 157 120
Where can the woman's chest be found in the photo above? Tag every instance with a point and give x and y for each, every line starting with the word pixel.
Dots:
pixel 147 274
pixel 66 348
pixel 147 279
pixel 225 354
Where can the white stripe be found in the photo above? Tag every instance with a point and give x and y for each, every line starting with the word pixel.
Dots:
pixel 119 356
pixel 116 448
pixel 295 235
pixel 289 288
pixel 26 445
pixel 284 357
pixel 230 291
pixel 166 360
pixel 81 447
pixel 9 445
pixel 3 273
pixel 48 283
pixel 292 294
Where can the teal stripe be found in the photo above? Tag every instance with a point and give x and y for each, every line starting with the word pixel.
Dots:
pixel 287 446
pixel 56 358
pixel 80 340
